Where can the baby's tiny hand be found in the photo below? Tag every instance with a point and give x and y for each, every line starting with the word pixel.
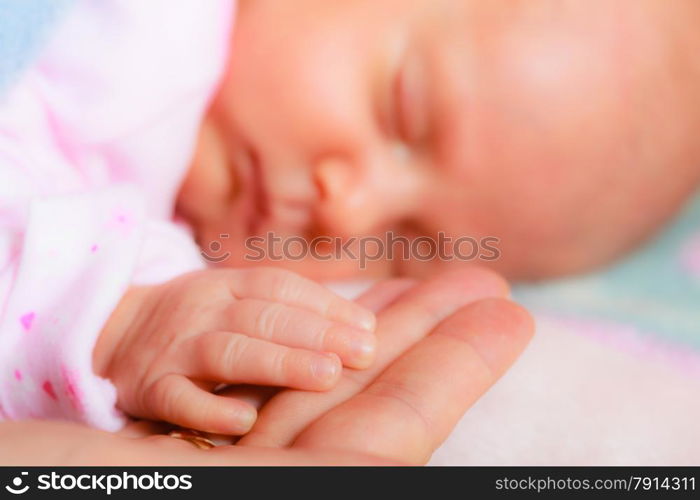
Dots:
pixel 166 348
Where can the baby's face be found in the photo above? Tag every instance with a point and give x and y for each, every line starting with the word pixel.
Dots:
pixel 567 130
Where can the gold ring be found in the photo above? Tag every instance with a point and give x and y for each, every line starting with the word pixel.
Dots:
pixel 196 438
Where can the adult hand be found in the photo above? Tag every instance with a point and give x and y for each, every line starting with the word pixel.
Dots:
pixel 442 343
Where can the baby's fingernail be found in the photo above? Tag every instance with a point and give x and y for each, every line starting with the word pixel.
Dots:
pixel 363 319
pixel 246 417
pixel 369 322
pixel 362 350
pixel 325 367
pixel 352 314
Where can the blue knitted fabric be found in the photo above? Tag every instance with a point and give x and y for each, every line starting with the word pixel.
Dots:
pixel 24 26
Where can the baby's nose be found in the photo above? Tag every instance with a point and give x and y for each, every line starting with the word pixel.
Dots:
pixel 349 204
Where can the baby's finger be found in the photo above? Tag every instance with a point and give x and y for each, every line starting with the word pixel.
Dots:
pixel 407 320
pixel 278 285
pixel 233 358
pixel 296 327
pixel 176 399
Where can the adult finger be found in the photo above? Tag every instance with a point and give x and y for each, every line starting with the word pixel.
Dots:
pixel 407 412
pixel 385 293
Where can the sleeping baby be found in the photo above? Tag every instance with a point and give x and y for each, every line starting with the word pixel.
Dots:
pixel 566 130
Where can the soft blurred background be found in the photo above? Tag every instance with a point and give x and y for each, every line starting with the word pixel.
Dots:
pixel 613 375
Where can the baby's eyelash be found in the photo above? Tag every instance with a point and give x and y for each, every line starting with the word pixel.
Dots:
pixel 387 112
pixel 409 102
pixel 398 105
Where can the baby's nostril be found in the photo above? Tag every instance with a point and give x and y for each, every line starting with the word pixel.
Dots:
pixel 333 178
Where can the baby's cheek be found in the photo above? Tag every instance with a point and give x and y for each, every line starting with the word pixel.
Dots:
pixel 209 180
